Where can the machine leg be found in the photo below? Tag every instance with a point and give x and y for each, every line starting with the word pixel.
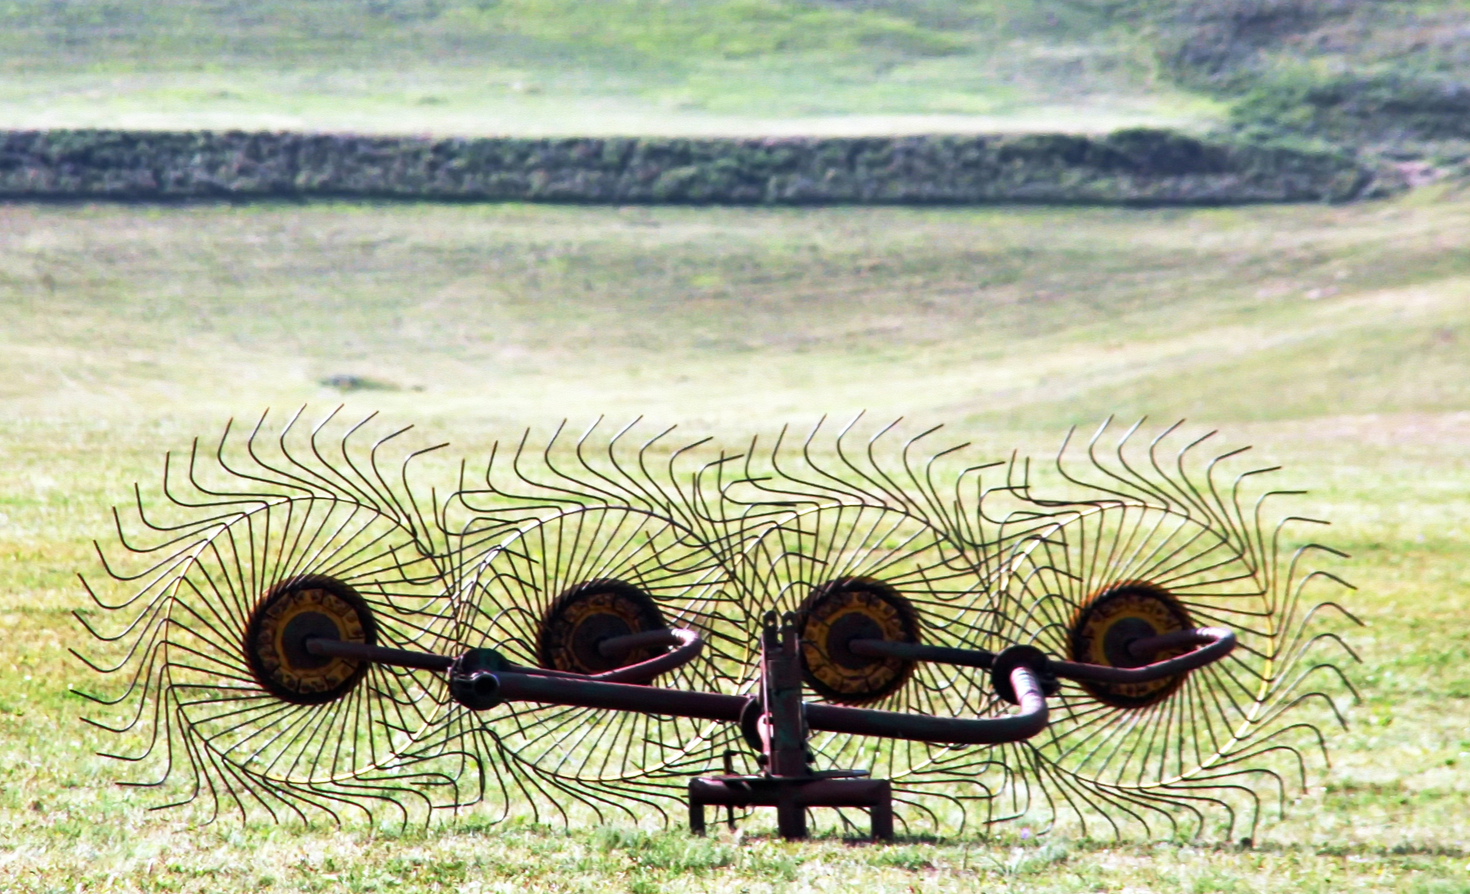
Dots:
pixel 791 820
pixel 696 817
pixel 882 816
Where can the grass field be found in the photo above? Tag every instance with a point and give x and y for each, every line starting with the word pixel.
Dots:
pixel 1333 338
pixel 550 67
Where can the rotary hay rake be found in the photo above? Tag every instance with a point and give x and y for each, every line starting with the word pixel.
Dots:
pixel 611 626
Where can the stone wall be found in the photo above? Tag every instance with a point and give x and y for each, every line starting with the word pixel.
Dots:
pixel 1145 167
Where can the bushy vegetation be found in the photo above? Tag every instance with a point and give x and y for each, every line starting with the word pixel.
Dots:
pixel 1134 166
pixel 1383 76
pixel 1382 108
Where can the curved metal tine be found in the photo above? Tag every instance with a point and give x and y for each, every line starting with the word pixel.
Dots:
pixel 1301 652
pixel 1274 551
pixel 190 534
pixel 1182 488
pixel 218 498
pixel 1194 494
pixel 146 671
pixel 587 486
pixel 1286 698
pixel 1251 530
pixel 1265 746
pixel 1295 589
pixel 1225 515
pixel 1237 522
pixel 146 610
pixel 158 725
pixel 1193 714
pixel 515 461
pixel 144 675
pixel 772 491
pixel 1091 445
pixel 887 490
pixel 250 451
pixel 1135 484
pixel 1228 769
pixel 891 491
pixel 410 512
pixel 193 795
pixel 546 493
pixel 341 486
pixel 1017 486
pixel 817 491
pixel 1071 792
pixel 1244 792
pixel 925 484
pixel 645 485
pixel 838 485
pixel 968 511
pixel 1137 807
pixel 348 546
pixel 157 730
pixel 1132 480
pixel 1164 484
pixel 699 496
pixel 373 489
pixel 382 495
pixel 225 506
pixel 305 478
pixel 749 476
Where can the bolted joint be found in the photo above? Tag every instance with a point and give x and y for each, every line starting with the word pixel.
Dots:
pixel 1028 657
pixel 472 680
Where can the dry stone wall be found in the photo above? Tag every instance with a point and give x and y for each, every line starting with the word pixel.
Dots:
pixel 1146 167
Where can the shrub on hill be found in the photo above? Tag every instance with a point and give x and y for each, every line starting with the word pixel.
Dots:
pixel 1373 108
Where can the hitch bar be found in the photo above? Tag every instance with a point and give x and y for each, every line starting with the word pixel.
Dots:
pixel 622 689
pixel 1216 643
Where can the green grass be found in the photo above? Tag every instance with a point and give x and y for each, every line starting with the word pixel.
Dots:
pixel 1331 337
pixel 535 67
pixel 1360 73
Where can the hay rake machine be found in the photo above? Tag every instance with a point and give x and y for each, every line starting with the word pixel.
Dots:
pixel 616 624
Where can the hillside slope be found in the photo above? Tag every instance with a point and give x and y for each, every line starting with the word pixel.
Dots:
pixel 1389 77
pixel 547 67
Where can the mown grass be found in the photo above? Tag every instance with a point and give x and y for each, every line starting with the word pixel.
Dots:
pixel 1331 337
pixel 761 67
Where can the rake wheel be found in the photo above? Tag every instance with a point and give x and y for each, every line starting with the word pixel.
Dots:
pixel 1144 548
pixel 253 551
pixel 839 611
pixel 582 541
pixel 880 541
pixel 596 629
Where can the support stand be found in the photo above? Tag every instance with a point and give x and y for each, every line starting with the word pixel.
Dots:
pixel 789 785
